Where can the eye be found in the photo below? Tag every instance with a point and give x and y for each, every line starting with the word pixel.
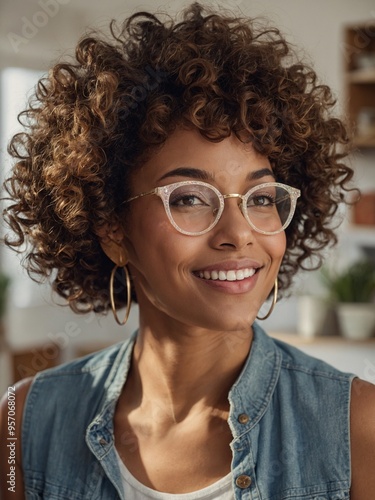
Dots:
pixel 261 200
pixel 194 196
pixel 186 200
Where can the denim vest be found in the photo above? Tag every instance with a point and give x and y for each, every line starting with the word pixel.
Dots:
pixel 289 416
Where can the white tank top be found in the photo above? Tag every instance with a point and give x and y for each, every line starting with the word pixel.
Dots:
pixel 134 490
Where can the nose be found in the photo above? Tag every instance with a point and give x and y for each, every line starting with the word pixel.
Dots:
pixel 232 230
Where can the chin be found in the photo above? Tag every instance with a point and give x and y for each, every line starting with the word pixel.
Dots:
pixel 226 323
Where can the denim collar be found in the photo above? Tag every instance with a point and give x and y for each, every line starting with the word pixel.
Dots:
pixel 251 393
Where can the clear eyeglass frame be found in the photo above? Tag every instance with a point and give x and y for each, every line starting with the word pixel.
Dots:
pixel 164 193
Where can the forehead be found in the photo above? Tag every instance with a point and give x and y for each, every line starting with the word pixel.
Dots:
pixel 224 161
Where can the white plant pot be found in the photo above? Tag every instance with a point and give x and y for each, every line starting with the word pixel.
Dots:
pixel 312 312
pixel 357 321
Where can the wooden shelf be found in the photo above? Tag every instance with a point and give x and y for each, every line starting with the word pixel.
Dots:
pixel 362 76
pixel 364 142
pixel 359 45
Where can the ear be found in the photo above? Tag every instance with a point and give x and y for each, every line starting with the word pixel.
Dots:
pixel 112 241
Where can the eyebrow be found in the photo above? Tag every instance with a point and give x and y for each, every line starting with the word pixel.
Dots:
pixel 258 174
pixel 203 175
pixel 194 173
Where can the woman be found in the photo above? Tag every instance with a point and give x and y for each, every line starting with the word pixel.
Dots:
pixel 194 167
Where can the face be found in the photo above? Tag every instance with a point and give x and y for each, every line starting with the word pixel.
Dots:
pixel 173 272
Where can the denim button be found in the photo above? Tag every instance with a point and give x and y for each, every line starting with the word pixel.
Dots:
pixel 243 418
pixel 103 441
pixel 243 481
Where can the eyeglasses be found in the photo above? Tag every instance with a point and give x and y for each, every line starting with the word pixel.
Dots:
pixel 195 207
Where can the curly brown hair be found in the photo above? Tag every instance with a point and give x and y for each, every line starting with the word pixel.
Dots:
pixel 92 122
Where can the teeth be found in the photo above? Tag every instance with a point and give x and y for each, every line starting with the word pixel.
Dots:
pixel 240 275
pixel 232 275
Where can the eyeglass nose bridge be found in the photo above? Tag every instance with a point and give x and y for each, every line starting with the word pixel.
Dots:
pixel 224 197
pixel 240 201
pixel 232 195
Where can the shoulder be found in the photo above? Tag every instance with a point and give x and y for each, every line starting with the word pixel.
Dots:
pixel 66 385
pixel 11 415
pixel 74 390
pixel 305 380
pixel 310 386
pixel 296 361
pixel 362 432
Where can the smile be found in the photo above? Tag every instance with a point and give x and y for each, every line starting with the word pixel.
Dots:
pixel 231 275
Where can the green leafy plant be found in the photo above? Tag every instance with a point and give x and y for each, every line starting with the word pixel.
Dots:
pixel 355 284
pixel 4 282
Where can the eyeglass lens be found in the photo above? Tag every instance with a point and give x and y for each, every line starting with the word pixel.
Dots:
pixel 195 207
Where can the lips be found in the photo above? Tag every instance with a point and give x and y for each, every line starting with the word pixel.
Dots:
pixel 227 275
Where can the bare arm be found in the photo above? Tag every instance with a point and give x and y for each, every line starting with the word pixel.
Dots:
pixel 11 412
pixel 362 429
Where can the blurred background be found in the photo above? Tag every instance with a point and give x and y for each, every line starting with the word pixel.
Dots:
pixel 338 39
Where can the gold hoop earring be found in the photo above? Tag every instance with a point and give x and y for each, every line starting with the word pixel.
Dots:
pixel 112 295
pixel 274 300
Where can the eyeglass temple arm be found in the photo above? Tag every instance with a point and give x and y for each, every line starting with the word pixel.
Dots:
pixel 154 191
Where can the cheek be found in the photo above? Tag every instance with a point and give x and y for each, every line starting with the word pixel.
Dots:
pixel 151 241
pixel 160 264
pixel 281 244
pixel 275 246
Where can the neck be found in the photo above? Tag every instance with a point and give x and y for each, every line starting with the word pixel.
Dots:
pixel 184 369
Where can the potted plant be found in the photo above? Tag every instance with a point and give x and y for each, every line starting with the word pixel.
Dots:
pixel 353 292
